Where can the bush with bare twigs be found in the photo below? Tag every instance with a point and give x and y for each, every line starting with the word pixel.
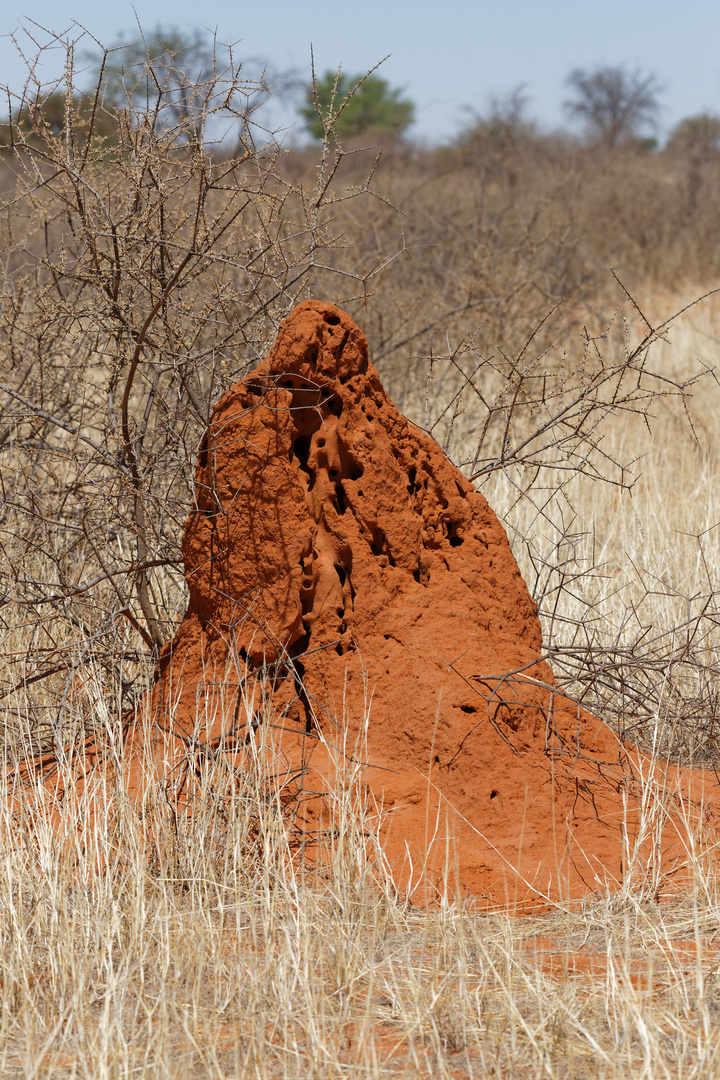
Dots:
pixel 144 269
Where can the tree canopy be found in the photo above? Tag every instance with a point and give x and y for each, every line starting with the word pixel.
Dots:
pixel 697 135
pixel 348 105
pixel 46 116
pixel 502 126
pixel 182 78
pixel 613 104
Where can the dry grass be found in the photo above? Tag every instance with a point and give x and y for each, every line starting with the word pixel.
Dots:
pixel 132 943
pixel 135 944
pixel 202 949
pixel 634 573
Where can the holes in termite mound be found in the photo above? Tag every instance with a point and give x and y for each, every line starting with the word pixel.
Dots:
pixel 307 585
pixel 343 576
pixel 301 450
pixel 422 574
pixel 378 542
pixel 203 455
pixel 379 546
pixel 330 319
pixel 300 646
pixel 296 650
pixel 330 401
pixel 494 794
pixel 340 465
pixel 343 343
pixel 343 647
pixel 468 709
pixel 416 483
pixel 451 531
pixel 343 573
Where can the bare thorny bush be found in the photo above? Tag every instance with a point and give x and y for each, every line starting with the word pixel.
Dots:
pixel 145 269
pixel 143 272
pixel 528 429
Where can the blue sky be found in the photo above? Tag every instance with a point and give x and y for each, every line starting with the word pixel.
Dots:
pixel 447 56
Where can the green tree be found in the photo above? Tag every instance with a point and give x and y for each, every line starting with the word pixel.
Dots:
pixel 349 105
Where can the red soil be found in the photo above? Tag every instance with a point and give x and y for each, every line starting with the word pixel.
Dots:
pixel 345 576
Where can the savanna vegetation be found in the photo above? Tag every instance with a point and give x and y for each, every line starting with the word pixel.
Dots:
pixel 520 293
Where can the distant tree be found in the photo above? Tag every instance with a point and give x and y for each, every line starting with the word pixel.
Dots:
pixel 179 63
pixel 503 125
pixel 697 136
pixel 353 105
pixel 181 76
pixel 49 111
pixel 499 142
pixel 614 104
pixel 45 117
pixel 695 142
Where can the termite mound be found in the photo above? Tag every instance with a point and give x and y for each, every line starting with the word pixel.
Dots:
pixel 352 591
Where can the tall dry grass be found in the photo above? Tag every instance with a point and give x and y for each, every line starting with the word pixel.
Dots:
pixel 136 943
pixel 627 578
pixel 133 943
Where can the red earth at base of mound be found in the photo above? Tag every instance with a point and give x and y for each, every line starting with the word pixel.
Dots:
pixel 350 589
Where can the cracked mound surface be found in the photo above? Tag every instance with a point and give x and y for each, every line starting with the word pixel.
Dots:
pixel 349 587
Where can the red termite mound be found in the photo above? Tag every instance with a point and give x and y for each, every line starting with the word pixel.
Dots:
pixel 341 566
